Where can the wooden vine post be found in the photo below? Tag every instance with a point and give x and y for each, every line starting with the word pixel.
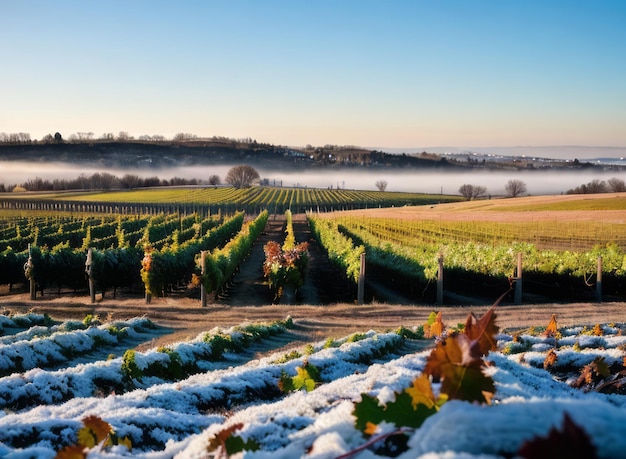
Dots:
pixel 203 299
pixel 599 281
pixel 440 281
pixel 518 280
pixel 361 286
pixel 29 272
pixel 88 265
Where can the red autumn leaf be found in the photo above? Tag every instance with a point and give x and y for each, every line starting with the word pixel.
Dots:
pixel 571 441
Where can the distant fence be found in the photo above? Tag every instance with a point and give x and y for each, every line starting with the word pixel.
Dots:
pixel 126 208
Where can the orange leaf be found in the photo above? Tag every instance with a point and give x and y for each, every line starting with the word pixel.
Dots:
pixel 100 429
pixel 72 452
pixel 552 329
pixel 597 330
pixel 437 327
pixel 421 392
pixel 370 428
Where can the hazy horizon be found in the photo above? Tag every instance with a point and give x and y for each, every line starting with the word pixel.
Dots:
pixel 414 180
pixel 562 152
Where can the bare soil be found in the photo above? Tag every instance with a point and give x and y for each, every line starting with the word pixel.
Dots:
pixel 185 318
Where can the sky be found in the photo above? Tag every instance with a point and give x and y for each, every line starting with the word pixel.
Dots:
pixel 377 74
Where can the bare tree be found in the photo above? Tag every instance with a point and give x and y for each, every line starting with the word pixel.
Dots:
pixel 470 192
pixel 616 185
pixel 381 185
pixel 214 180
pixel 596 186
pixel 515 188
pixel 242 176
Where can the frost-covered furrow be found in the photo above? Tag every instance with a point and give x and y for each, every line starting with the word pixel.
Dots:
pixel 288 427
pixel 156 366
pixel 63 346
pixel 571 351
pixel 174 411
pixel 320 424
pixel 10 325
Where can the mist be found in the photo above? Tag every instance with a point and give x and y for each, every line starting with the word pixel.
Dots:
pixel 538 182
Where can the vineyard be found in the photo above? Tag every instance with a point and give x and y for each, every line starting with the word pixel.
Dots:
pixel 211 200
pixel 160 254
pixel 371 394
pixel 99 387
pixel 560 261
pixel 157 252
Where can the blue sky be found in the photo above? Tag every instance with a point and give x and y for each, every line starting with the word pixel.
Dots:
pixel 370 73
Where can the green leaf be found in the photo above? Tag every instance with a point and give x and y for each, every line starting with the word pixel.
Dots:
pixel 304 379
pixel 400 412
pixel 368 410
pixel 235 444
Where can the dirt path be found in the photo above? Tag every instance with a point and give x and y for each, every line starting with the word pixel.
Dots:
pixel 323 283
pixel 186 318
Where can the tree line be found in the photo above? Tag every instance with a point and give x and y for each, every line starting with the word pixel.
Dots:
pixel 104 181
pixel 612 185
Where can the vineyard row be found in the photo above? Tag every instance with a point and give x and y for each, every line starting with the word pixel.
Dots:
pixel 206 201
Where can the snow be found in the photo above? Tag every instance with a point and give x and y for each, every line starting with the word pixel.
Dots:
pixel 178 419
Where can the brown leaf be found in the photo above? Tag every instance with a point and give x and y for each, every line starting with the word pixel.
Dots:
pixel 457 362
pixel 550 360
pixel 484 330
pixel 219 440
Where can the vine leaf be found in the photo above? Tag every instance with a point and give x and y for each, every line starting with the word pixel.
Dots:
pixel 369 413
pixel 550 360
pixel 421 392
pixel 72 452
pixel 94 431
pixel 552 329
pixel 229 443
pixel 307 377
pixel 401 411
pixel 571 441
pixel 484 330
pixel 457 361
pixel 434 325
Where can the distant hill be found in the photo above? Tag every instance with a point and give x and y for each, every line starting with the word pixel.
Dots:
pixel 131 154
pixel 141 154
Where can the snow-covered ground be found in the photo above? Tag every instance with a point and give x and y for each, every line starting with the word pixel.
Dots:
pixel 180 417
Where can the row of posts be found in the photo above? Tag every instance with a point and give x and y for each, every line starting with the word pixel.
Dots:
pixel 517 296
